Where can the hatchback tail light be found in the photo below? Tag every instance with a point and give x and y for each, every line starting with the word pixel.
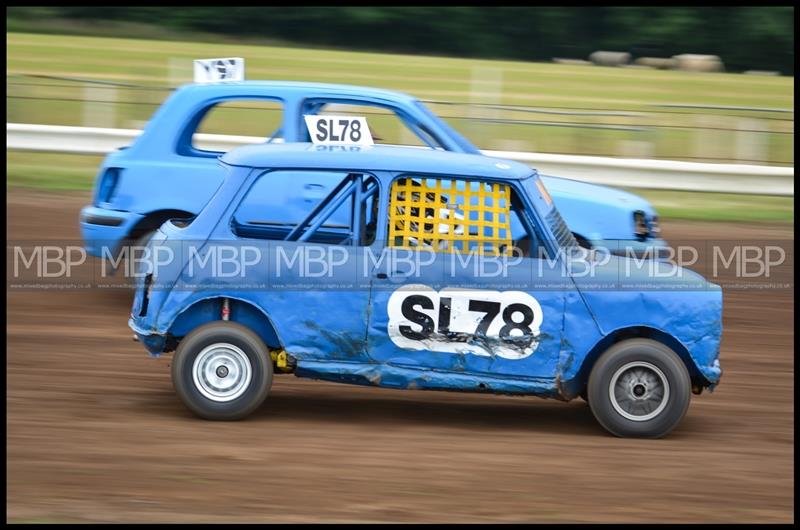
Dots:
pixel 108 185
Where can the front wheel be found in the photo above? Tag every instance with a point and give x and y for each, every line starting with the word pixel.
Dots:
pixel 639 388
pixel 221 371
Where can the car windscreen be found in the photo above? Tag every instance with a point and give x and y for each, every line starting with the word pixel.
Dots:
pixel 464 144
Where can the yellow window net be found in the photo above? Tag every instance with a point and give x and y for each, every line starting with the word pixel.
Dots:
pixel 450 215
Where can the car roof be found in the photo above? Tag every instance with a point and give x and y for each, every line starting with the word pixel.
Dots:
pixel 377 158
pixel 282 88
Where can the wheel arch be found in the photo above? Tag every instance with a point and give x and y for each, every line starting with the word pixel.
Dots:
pixel 242 312
pixel 154 219
pixel 578 383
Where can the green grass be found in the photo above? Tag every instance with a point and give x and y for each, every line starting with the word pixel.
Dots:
pixel 634 93
pixel 718 206
pixel 543 86
pixel 146 62
pixel 51 171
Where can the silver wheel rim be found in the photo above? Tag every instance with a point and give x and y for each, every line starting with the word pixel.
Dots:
pixel 222 372
pixel 639 391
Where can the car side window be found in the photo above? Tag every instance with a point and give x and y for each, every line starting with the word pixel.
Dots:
pixel 259 119
pixel 330 207
pixel 455 215
pixel 386 124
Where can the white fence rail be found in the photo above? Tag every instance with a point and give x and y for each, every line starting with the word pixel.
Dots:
pixel 640 173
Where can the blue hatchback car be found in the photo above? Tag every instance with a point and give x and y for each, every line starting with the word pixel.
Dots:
pixel 169 172
pixel 416 269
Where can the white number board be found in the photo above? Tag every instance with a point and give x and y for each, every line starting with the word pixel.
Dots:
pixel 465 321
pixel 338 130
pixel 217 70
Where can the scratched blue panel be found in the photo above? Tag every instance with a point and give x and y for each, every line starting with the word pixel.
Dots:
pixel 401 377
pixel 656 295
pixel 446 272
pixel 342 318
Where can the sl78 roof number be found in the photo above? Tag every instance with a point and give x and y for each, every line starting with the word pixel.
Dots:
pixel 338 130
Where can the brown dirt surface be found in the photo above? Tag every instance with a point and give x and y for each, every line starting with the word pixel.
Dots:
pixel 96 433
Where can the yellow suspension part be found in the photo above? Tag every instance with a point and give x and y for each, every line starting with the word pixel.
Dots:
pixel 280 359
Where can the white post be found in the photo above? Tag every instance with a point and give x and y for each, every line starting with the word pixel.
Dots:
pixel 486 87
pixel 751 140
pixel 99 106
pixel 180 71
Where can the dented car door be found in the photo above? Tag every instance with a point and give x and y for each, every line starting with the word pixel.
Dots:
pixel 447 297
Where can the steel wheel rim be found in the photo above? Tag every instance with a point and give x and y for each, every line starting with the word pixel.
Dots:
pixel 222 372
pixel 639 391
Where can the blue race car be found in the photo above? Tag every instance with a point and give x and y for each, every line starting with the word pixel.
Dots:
pixel 415 269
pixel 168 173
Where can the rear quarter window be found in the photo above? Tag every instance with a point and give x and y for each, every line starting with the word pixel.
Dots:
pixel 260 119
pixel 280 200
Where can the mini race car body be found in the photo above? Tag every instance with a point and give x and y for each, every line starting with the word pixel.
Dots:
pixel 415 269
pixel 165 174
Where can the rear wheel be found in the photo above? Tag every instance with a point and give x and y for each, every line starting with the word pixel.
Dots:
pixel 143 238
pixel 639 388
pixel 222 371
pixel 136 249
pixel 582 241
pixel 131 249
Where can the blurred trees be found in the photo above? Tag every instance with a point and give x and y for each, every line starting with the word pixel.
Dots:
pixel 744 37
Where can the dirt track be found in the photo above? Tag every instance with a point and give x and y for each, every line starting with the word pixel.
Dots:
pixel 95 432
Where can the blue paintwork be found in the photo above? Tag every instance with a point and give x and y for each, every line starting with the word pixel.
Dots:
pixel 162 176
pixel 340 334
pixel 96 236
pixel 415 378
pixel 600 214
pixel 375 158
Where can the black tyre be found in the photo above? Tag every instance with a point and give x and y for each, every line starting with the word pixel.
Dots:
pixel 582 241
pixel 131 249
pixel 136 251
pixel 639 388
pixel 141 241
pixel 143 238
pixel 222 371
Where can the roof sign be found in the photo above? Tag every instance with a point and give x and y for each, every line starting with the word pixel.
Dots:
pixel 338 130
pixel 219 70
